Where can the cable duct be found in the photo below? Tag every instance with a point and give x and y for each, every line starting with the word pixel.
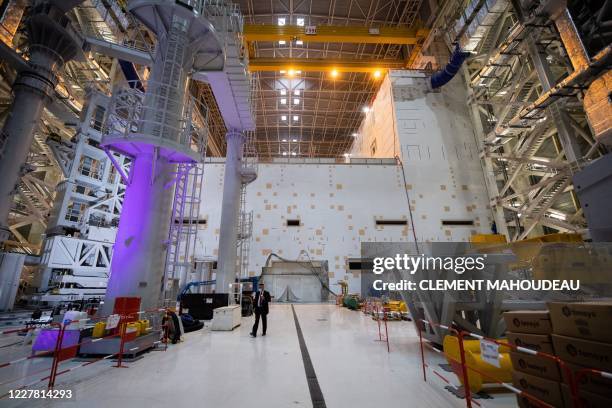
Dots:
pixel 443 76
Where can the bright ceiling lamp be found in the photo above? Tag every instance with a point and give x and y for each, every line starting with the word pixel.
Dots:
pixel 365 109
pixel 334 73
pixel 282 21
pixel 377 74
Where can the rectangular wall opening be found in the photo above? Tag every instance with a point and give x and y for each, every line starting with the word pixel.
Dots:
pixel 293 223
pixel 391 222
pixel 458 223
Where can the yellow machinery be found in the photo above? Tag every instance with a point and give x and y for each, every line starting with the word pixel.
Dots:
pixel 479 372
pixel 98 330
pixel 553 256
pixel 396 306
pixel 143 326
pixel 488 239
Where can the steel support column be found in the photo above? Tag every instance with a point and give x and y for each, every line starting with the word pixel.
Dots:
pixel 230 211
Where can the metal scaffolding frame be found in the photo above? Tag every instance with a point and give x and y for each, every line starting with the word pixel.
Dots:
pixel 529 150
pixel 330 109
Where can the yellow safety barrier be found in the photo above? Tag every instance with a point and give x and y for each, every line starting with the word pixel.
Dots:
pixel 479 372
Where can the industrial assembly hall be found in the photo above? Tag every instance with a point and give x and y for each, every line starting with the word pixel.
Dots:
pixel 306 203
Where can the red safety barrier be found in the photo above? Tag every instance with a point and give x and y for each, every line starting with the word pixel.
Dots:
pixel 377 310
pixel 461 334
pixel 582 374
pixel 62 353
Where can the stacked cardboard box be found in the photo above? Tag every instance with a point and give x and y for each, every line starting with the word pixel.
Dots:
pixel 537 376
pixel 581 337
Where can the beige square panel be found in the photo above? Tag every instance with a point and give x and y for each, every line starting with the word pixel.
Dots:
pixel 443 187
pixel 268 185
pixel 338 186
pixel 446 208
pixel 265 231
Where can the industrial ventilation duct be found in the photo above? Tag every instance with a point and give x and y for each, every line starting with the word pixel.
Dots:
pixel 443 76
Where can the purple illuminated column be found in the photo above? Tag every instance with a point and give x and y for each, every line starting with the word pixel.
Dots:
pixel 143 229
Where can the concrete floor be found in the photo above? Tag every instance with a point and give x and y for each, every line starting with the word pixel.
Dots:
pixel 231 369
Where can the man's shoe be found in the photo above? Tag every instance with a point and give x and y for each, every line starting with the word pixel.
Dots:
pixel 253 335
pixel 263 334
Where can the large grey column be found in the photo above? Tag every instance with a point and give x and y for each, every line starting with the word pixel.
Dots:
pixel 51 42
pixel 230 213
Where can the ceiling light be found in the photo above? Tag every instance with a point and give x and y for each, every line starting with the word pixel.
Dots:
pixel 291 72
pixel 334 73
pixel 282 71
pixel 296 92
pixel 284 117
pixel 377 74
pixel 299 42
pixel 298 72
pixel 346 155
pixel 294 140
pixel 355 134
pixel 283 92
pixel 296 101
pixel 283 101
pixel 282 21
pixel 296 118
pixel 365 109
pixel 300 21
pixel 293 153
pixel 282 42
pixel 284 140
pixel 284 153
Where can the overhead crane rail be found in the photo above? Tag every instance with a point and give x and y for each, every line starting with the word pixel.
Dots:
pixel 337 34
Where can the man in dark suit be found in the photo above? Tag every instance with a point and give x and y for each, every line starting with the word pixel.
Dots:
pixel 262 299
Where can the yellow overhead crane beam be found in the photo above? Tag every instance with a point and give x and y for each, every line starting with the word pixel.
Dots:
pixel 292 65
pixel 335 34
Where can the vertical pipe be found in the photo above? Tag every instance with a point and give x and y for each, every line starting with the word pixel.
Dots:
pixel 139 252
pixel 18 131
pixel 228 235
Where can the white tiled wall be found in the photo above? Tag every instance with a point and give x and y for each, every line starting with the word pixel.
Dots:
pixel 338 204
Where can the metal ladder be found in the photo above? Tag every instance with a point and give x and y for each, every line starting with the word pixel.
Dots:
pixel 245 222
pixel 184 223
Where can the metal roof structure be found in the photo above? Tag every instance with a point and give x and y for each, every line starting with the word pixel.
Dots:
pixel 309 112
